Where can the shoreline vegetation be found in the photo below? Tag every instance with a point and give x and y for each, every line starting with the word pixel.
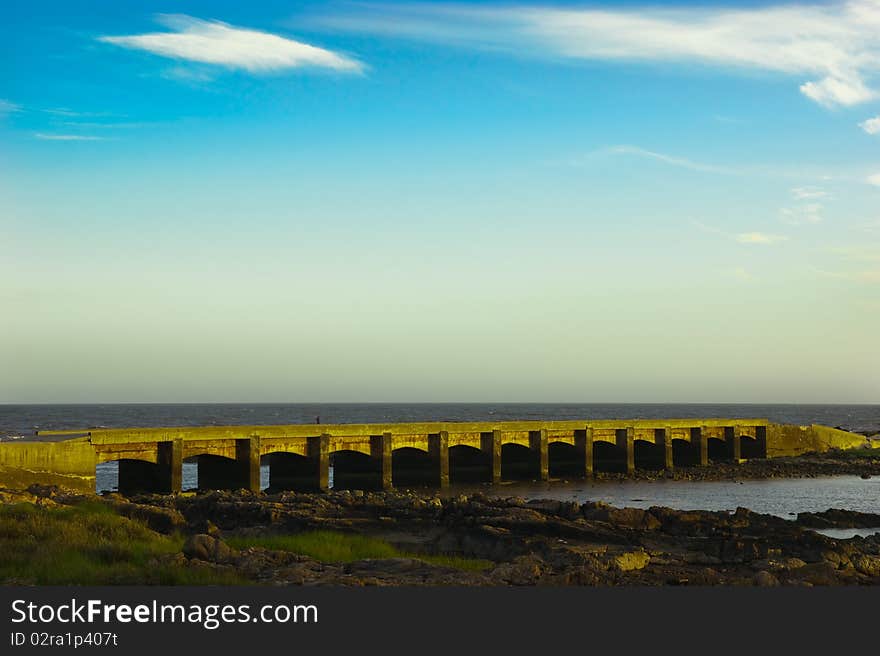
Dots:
pixel 51 534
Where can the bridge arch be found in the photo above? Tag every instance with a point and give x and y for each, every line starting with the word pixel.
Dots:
pixel 108 457
pixel 412 467
pixel 717 449
pixel 648 455
pixel 608 457
pixel 517 462
pixel 289 471
pixel 354 470
pixel 563 460
pixel 269 448
pixel 216 472
pixel 131 476
pixel 684 453
pixel 468 464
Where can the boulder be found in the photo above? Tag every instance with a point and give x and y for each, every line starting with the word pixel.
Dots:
pixel 867 564
pixel 765 580
pixel 631 560
pixel 206 547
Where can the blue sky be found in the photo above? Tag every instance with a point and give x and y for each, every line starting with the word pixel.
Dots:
pixel 286 201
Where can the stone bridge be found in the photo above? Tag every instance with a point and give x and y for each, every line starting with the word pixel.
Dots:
pixel 380 456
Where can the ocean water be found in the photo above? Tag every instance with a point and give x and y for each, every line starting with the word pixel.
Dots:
pixel 784 497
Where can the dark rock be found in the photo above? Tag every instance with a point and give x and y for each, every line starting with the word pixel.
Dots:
pixel 834 518
pixel 765 579
pixel 206 547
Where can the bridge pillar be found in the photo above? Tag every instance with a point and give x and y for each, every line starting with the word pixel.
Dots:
pixel 247 459
pixel 380 451
pixel 438 449
pixel 734 443
pixel 318 449
pixel 668 464
pixel 170 462
pixel 700 446
pixel 626 440
pixel 490 444
pixel 583 444
pixel 539 446
pixel 761 437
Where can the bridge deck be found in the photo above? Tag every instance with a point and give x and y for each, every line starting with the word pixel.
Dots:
pixel 117 435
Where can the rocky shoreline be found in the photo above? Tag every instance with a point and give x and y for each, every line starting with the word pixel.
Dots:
pixel 523 542
pixel 864 463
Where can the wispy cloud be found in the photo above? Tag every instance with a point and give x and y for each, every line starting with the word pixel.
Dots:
pixel 7 107
pixel 871 126
pixel 835 46
pixel 217 43
pixel 67 137
pixel 70 113
pixel 95 125
pixel 802 214
pixel 760 238
pixel 729 120
pixel 794 173
pixel 189 74
pixel 672 160
pixel 874 179
pixel 809 193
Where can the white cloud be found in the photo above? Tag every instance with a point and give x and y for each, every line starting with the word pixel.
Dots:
pixel 742 237
pixel 871 126
pixel 830 91
pixel 801 214
pixel 835 46
pixel 809 193
pixel 874 179
pixel 213 42
pixel 69 113
pixel 667 159
pixel 66 137
pixel 188 74
pixel 7 107
pixel 759 238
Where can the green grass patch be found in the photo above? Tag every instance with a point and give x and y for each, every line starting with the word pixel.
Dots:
pixel 854 454
pixel 89 544
pixel 335 547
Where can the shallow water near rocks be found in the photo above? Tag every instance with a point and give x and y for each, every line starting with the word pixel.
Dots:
pixel 784 497
pixel 781 497
pixel 847 533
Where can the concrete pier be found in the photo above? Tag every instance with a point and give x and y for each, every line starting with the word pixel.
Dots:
pixel 379 456
pixel 438 449
pixel 380 451
pixel 490 445
pixel 538 445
